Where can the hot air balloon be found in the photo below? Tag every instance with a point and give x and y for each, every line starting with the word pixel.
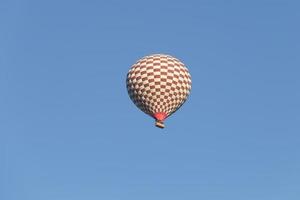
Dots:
pixel 158 85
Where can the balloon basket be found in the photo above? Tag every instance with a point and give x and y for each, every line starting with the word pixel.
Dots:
pixel 159 124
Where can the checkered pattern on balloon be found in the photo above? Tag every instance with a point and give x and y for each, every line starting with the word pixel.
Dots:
pixel 158 85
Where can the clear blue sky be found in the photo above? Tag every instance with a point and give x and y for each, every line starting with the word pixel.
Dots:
pixel 68 130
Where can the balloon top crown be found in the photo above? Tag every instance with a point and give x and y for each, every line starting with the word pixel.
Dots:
pixel 160 55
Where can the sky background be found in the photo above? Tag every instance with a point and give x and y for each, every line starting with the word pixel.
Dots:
pixel 68 130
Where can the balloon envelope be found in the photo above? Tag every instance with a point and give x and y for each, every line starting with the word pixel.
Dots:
pixel 158 85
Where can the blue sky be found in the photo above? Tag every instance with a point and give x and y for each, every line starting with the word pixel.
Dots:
pixel 68 130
